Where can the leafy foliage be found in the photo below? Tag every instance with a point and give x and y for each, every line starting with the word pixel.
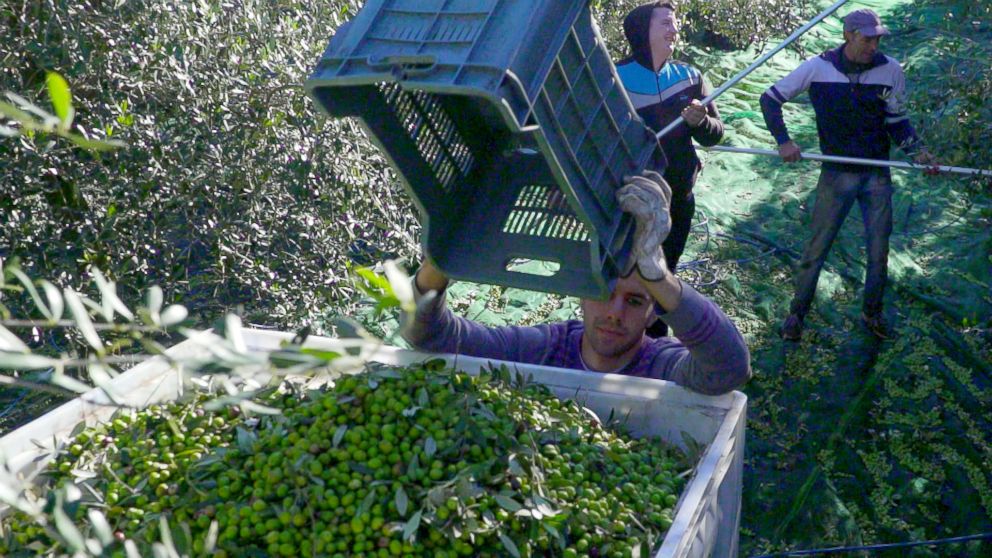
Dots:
pixel 954 52
pixel 233 190
pixel 30 119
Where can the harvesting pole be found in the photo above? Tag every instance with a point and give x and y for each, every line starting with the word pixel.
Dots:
pixel 764 58
pixel 854 160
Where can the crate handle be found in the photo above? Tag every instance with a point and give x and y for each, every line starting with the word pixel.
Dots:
pixel 405 65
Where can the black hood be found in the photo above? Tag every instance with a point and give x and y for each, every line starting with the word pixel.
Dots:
pixel 636 27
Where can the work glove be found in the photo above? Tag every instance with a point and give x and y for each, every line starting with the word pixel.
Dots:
pixel 647 197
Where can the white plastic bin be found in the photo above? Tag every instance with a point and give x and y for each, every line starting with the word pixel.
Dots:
pixel 707 515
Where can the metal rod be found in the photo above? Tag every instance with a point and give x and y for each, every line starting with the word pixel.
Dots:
pixel 853 160
pixel 733 81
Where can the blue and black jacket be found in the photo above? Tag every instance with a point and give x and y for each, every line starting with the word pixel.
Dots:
pixel 659 98
pixel 860 109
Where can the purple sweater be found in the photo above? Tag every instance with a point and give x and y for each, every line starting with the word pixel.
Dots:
pixel 709 356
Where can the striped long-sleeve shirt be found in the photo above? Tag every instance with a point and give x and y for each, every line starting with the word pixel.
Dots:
pixel 859 110
pixel 708 356
pixel 659 98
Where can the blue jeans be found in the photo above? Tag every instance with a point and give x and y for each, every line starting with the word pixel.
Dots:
pixel 836 192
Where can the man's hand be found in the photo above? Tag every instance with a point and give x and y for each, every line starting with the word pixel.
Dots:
pixel 790 152
pixel 430 278
pixel 924 157
pixel 647 197
pixel 694 113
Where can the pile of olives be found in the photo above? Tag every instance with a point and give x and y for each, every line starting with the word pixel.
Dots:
pixel 419 461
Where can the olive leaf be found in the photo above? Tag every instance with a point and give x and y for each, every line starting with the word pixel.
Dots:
pixel 366 504
pixel 246 439
pixel 58 92
pixel 509 545
pixel 401 501
pixel 338 435
pixel 83 321
pixel 413 466
pixel 411 526
pixel 155 300
pixel 56 304
pixel 173 315
pixel 67 382
pixel 100 526
pixel 210 543
pixel 514 467
pixel 29 286
pixel 507 503
pixel 109 300
pixel 10 342
pixel 68 530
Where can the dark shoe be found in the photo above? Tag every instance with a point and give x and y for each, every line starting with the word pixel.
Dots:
pixel 877 325
pixel 792 328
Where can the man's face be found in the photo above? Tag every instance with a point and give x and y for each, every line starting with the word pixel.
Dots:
pixel 860 49
pixel 616 326
pixel 663 30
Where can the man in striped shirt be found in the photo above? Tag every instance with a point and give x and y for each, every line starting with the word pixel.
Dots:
pixel 707 354
pixel 858 95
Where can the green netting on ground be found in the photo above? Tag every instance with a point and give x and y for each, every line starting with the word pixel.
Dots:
pixel 850 440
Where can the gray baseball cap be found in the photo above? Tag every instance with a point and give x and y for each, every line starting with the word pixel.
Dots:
pixel 866 22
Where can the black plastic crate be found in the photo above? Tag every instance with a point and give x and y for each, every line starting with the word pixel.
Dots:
pixel 509 127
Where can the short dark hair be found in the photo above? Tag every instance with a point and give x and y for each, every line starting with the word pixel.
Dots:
pixel 663 4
